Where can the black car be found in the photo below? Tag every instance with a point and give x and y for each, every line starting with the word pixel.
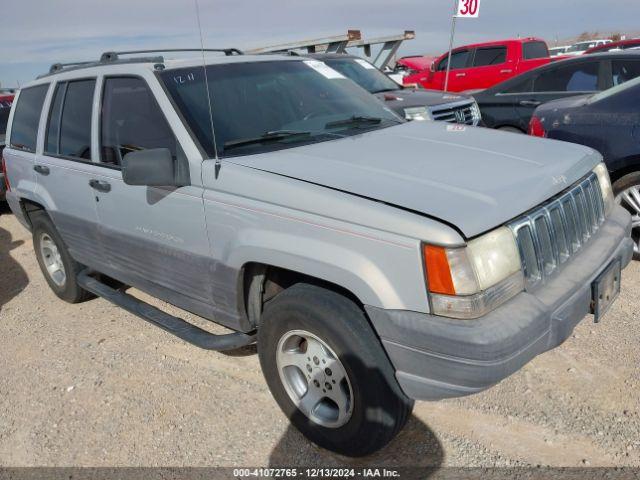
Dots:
pixel 610 123
pixel 510 104
pixel 409 103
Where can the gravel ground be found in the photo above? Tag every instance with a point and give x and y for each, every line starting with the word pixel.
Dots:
pixel 91 385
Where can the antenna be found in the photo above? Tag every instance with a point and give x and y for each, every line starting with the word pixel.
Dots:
pixel 206 83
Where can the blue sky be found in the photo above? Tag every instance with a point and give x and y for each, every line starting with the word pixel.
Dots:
pixel 36 33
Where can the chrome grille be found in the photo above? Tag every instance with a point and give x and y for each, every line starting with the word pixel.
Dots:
pixel 456 113
pixel 552 233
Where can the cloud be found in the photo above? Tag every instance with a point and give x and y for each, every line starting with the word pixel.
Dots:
pixel 43 32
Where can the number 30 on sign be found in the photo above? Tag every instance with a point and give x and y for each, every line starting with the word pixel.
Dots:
pixel 468 9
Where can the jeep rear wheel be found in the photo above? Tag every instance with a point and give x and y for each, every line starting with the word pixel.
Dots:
pixel 328 371
pixel 58 268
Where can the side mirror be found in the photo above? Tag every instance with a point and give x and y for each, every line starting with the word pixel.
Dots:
pixel 152 168
pixel 432 68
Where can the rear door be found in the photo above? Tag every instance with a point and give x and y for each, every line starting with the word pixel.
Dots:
pixel 65 167
pixel 20 155
pixel 155 238
pixel 489 66
pixel 559 81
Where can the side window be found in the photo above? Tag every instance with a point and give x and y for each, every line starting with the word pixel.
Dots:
pixel 131 120
pixel 69 126
pixel 5 108
pixel 53 124
pixel 582 77
pixel 521 86
pixel 625 70
pixel 490 56
pixel 24 130
pixel 458 61
pixel 533 50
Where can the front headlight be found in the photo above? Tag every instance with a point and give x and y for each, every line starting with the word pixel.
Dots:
pixel 605 186
pixel 476 114
pixel 419 114
pixel 469 282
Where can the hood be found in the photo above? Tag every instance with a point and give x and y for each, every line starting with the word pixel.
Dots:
pixel 472 178
pixel 400 99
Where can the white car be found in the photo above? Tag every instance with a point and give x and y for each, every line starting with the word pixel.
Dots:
pixel 580 47
pixel 556 51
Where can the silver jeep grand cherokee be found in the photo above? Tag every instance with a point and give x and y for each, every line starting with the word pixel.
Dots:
pixel 374 261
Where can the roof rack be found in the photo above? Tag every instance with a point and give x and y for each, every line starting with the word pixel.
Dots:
pixel 115 57
pixel 108 57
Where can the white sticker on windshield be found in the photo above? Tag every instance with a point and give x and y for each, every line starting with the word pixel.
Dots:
pixel 323 69
pixel 365 64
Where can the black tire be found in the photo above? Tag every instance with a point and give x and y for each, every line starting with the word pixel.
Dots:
pixel 619 186
pixel 379 407
pixel 69 291
pixel 510 129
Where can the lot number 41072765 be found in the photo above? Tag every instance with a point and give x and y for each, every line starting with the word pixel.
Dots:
pixel 468 8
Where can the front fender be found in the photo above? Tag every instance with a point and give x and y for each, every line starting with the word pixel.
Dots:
pixel 333 263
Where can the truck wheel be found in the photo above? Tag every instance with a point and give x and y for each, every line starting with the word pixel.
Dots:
pixel 627 193
pixel 328 372
pixel 59 269
pixel 510 129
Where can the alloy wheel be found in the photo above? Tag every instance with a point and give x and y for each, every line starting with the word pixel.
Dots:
pixel 52 260
pixel 314 378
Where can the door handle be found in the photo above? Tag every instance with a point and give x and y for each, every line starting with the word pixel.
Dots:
pixel 42 170
pixel 530 103
pixel 506 71
pixel 100 185
pixel 461 74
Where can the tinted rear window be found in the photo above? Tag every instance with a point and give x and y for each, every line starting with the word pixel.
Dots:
pixel 490 56
pixel 24 130
pixel 533 50
pixel 581 77
pixel 625 70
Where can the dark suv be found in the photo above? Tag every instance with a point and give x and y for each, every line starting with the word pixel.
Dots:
pixel 509 105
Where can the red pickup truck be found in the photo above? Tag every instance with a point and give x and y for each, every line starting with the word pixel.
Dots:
pixel 483 65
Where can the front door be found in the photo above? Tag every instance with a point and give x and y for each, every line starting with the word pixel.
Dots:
pixel 457 75
pixel 154 238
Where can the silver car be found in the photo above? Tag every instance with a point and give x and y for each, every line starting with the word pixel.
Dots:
pixel 374 261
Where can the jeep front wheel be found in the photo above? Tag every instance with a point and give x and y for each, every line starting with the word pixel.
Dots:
pixel 328 372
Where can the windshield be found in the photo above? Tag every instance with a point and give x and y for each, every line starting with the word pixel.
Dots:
pixel 612 91
pixel 268 105
pixel 363 73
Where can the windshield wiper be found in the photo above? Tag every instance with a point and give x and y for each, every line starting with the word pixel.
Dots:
pixel 271 136
pixel 388 90
pixel 355 120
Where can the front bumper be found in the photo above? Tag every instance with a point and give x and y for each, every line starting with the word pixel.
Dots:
pixel 436 357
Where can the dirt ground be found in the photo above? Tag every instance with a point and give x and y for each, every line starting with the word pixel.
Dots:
pixel 91 385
